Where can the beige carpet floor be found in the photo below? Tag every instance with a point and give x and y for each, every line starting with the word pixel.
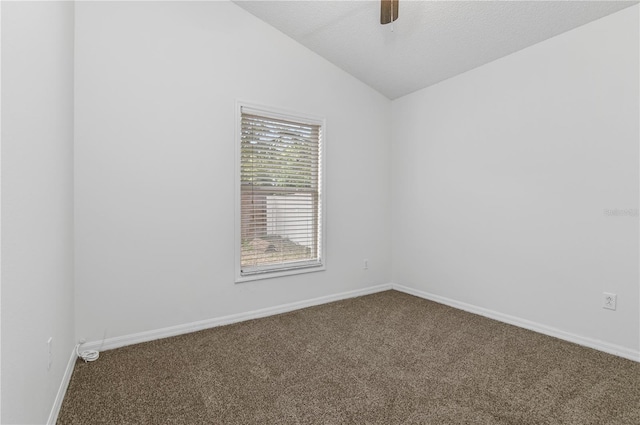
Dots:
pixel 387 358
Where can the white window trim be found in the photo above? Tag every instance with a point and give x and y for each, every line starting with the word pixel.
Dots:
pixel 292 116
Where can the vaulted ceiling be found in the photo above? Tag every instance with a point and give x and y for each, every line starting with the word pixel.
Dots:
pixel 431 40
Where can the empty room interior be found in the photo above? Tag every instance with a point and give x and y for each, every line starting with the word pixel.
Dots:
pixel 300 212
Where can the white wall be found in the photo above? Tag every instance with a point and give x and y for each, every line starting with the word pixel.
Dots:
pixel 155 92
pixel 500 179
pixel 37 205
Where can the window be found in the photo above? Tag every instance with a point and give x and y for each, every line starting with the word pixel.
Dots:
pixel 280 197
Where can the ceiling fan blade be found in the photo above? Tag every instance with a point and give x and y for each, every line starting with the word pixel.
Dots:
pixel 388 11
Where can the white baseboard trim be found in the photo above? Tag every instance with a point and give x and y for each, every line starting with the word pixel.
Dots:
pixel 66 378
pixel 121 341
pixel 617 350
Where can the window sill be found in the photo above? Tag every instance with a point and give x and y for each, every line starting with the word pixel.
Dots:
pixel 273 274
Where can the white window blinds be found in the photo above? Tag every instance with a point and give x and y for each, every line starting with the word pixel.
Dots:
pixel 280 181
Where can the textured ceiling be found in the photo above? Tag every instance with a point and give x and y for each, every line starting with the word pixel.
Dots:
pixel 431 40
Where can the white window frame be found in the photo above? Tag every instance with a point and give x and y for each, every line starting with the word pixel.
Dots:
pixel 278 113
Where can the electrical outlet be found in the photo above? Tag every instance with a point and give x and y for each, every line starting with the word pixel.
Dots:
pixel 366 264
pixel 609 300
pixel 49 344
